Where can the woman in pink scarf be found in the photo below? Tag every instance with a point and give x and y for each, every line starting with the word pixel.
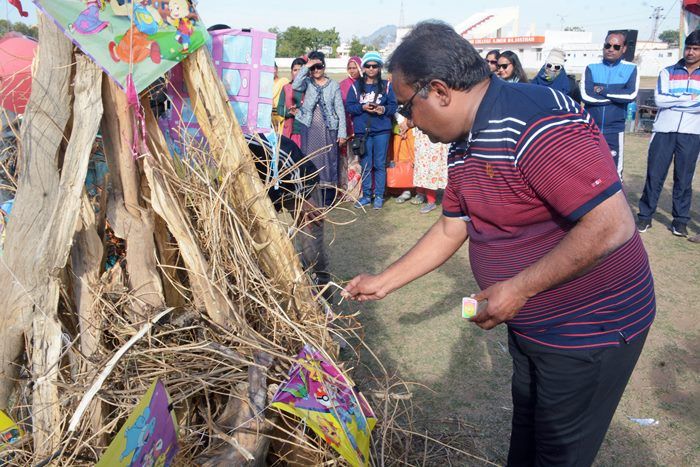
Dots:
pixel 349 166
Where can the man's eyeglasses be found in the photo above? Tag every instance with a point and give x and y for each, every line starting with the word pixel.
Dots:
pixel 550 66
pixel 372 65
pixel 503 66
pixel 607 45
pixel 319 66
pixel 405 109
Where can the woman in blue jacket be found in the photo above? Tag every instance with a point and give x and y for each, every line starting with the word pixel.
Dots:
pixel 372 103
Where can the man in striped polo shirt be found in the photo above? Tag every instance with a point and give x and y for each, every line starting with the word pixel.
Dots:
pixel 552 241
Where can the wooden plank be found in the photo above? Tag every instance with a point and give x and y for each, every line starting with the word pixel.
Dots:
pixel 128 217
pixel 227 144
pixel 46 117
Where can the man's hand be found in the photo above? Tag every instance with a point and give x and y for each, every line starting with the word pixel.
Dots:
pixel 342 141
pixel 364 287
pixel 505 299
pixel 403 127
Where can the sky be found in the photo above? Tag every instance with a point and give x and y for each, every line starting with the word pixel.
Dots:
pixel 362 17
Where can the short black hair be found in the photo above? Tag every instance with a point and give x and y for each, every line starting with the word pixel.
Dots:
pixel 619 33
pixel 434 50
pixel 297 61
pixel 495 52
pixel 318 55
pixel 693 38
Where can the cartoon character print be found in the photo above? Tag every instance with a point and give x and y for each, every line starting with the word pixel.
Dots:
pixel 136 46
pixel 138 435
pixel 179 19
pixel 88 21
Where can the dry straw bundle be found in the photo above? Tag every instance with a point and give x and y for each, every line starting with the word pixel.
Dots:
pixel 209 297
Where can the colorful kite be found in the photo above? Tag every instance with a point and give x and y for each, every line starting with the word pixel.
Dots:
pixel 319 394
pixel 142 38
pixel 148 437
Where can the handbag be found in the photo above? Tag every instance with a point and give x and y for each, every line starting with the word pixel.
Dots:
pixel 399 173
pixel 359 145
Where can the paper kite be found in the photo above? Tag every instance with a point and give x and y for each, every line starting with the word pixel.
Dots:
pixel 319 394
pixel 148 437
pixel 144 38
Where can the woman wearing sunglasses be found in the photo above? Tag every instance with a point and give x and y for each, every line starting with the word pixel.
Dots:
pixel 553 75
pixel 322 119
pixel 510 69
pixel 372 103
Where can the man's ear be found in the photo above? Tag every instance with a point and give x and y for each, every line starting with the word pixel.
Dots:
pixel 442 91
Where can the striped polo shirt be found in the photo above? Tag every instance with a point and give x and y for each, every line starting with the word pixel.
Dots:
pixel 532 166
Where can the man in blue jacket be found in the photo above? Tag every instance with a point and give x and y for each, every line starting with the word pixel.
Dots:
pixel 676 138
pixel 606 88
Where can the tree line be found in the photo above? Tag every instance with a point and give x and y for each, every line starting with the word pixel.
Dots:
pixel 296 41
pixel 22 28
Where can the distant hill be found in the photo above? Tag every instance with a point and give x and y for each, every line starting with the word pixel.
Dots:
pixel 381 37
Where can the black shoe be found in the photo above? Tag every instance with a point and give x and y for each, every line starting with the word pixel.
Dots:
pixel 679 230
pixel 643 225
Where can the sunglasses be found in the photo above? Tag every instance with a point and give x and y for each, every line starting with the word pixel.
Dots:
pixel 405 109
pixel 550 66
pixel 492 62
pixel 503 66
pixel 372 66
pixel 319 66
pixel 608 45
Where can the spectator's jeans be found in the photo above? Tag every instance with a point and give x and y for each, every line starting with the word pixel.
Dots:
pixel 662 149
pixel 616 143
pixel 374 159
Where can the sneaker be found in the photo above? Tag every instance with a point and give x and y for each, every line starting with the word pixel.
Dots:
pixel 405 196
pixel 643 225
pixel 427 208
pixel 362 202
pixel 418 199
pixel 679 230
pixel 378 202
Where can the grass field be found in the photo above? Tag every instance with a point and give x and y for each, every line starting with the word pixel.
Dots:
pixel 462 373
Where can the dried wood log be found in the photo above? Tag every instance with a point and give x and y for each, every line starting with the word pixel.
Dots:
pixel 129 219
pixel 55 245
pixel 86 263
pixel 45 121
pixel 170 207
pixel 227 144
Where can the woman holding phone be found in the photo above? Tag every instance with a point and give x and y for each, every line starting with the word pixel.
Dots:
pixel 322 119
pixel 372 103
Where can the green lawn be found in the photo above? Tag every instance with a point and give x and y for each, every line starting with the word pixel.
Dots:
pixel 462 373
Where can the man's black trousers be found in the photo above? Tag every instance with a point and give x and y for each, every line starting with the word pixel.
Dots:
pixel 564 400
